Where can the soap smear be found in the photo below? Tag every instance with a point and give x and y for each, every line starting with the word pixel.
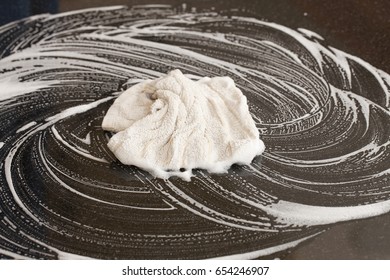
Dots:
pixel 173 124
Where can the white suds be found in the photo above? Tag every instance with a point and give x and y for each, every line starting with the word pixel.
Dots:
pixel 26 126
pixel 173 123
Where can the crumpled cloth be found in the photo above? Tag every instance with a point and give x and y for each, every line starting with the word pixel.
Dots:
pixel 174 123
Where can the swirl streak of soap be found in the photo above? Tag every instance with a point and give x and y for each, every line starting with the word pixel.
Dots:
pixel 323 114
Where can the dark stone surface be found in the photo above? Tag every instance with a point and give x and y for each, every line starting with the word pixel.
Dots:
pixel 360 28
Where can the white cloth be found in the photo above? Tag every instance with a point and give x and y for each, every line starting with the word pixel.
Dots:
pixel 172 123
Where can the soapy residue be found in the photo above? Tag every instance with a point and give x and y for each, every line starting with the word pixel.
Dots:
pixel 323 115
pixel 172 125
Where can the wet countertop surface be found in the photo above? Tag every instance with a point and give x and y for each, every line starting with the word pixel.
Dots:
pixel 315 78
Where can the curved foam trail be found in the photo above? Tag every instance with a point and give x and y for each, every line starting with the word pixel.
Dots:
pixel 307 215
pixel 266 252
pixel 323 114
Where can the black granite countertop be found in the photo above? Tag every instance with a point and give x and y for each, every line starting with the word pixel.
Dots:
pixel 46 140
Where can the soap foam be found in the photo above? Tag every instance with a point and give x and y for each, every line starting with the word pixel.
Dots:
pixel 173 123
pixel 326 131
